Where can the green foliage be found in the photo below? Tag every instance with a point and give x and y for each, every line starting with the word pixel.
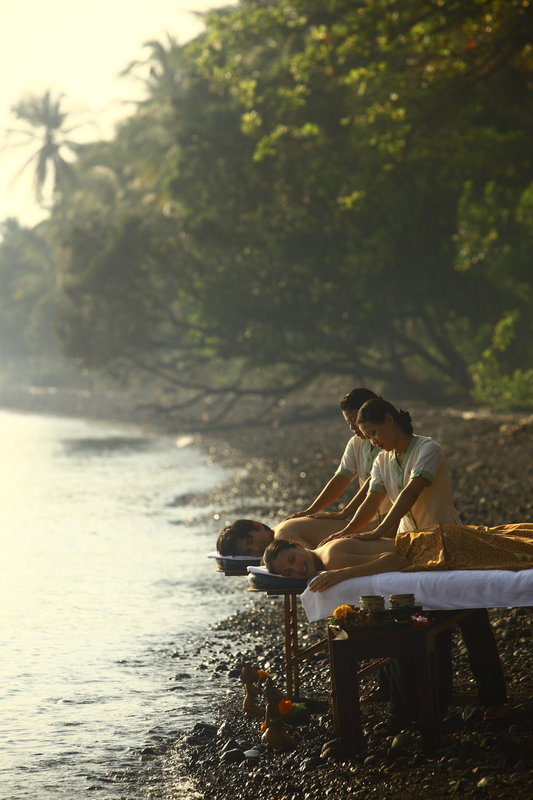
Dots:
pixel 493 384
pixel 313 189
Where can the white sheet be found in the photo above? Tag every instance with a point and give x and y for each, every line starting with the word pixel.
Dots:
pixel 487 588
pixel 264 571
pixel 216 554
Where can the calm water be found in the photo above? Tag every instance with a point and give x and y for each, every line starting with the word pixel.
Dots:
pixel 103 584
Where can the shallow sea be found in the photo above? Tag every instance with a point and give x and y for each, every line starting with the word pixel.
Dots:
pixel 104 585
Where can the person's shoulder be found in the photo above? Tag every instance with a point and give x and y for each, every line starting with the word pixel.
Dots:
pixel 425 447
pixel 425 442
pixel 381 460
pixel 355 443
pixel 280 528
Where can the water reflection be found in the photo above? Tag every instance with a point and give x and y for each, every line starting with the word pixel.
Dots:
pixel 106 445
pixel 97 590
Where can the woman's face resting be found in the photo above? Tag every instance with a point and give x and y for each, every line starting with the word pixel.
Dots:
pixel 295 562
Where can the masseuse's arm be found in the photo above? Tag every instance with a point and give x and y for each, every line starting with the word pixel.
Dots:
pixel 366 511
pixel 402 505
pixel 333 489
pixel 374 565
pixel 349 510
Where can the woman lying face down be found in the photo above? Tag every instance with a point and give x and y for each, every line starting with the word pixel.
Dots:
pixel 335 561
pixel 442 547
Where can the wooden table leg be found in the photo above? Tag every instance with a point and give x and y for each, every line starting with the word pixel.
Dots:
pixel 345 688
pixel 292 677
pixel 428 701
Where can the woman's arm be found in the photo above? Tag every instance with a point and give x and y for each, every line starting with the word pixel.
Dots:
pixel 401 506
pixel 333 489
pixel 386 562
pixel 366 511
pixel 350 509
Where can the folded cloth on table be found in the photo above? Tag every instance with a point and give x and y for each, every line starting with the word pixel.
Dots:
pixel 261 578
pixel 450 589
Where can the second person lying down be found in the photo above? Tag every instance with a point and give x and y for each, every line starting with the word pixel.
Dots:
pixel 442 547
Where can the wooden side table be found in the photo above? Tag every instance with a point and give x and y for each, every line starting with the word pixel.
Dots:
pixel 346 651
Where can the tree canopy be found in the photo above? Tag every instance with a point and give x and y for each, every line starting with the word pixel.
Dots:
pixel 311 189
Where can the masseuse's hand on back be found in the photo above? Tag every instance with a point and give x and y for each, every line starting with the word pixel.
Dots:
pixel 328 515
pixel 401 506
pixel 346 534
pixel 297 515
pixel 331 491
pixel 366 511
pixel 316 515
pixel 340 535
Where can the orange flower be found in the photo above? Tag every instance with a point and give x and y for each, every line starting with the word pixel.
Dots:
pixel 284 706
pixel 263 726
pixel 341 611
pixel 262 673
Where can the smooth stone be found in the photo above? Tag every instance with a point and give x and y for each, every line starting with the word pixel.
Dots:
pixel 485 782
pixel 224 730
pixel 330 743
pixel 335 751
pixel 402 741
pixel 232 757
pixel 252 756
pixel 309 763
pixel 457 786
pixel 231 744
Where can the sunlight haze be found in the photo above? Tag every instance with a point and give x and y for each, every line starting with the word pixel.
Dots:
pixel 78 50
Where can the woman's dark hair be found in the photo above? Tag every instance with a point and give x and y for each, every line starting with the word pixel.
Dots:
pixel 273 550
pixel 375 410
pixel 355 399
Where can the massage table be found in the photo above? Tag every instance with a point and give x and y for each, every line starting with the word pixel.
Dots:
pixel 433 590
pixel 459 591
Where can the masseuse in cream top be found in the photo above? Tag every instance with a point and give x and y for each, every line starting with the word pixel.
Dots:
pixel 411 470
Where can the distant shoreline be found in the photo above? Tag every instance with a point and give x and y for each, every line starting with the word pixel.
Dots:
pixel 63 401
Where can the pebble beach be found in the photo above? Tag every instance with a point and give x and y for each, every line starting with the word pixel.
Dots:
pixel 281 462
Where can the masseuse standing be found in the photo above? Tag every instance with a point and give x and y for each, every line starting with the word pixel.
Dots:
pixel 413 472
pixel 356 462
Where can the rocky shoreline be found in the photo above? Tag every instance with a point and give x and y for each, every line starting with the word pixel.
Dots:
pixel 284 461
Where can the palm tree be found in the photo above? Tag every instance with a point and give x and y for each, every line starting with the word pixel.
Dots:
pixel 45 125
pixel 160 71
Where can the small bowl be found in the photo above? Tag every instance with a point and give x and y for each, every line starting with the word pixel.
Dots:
pixel 372 602
pixel 401 600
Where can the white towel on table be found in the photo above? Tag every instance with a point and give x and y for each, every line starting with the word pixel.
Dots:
pixel 450 589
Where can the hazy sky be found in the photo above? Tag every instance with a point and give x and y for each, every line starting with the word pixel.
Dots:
pixel 77 48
